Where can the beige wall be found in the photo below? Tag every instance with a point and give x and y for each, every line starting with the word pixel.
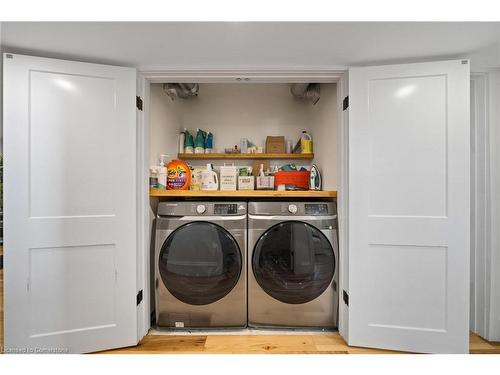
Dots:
pixel 164 128
pixel 325 136
pixel 252 111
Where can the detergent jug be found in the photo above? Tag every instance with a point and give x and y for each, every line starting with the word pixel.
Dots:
pixel 199 142
pixel 188 142
pixel 209 179
pixel 178 175
pixel 306 143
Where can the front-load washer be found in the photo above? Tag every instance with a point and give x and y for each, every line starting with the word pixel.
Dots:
pixel 200 258
pixel 293 264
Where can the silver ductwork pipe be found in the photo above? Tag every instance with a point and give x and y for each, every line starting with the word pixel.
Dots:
pixel 306 91
pixel 181 90
pixel 299 89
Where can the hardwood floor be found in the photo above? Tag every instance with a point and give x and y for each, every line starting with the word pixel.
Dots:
pixel 285 344
pixel 243 344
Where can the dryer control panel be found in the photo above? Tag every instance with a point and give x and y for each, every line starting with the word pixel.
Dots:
pixel 316 209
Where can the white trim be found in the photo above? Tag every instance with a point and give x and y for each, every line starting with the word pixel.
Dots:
pixel 157 74
pixel 143 227
pixel 342 200
pixel 485 206
pixel 494 259
pixel 480 206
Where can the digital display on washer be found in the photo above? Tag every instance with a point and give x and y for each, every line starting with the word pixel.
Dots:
pixel 316 209
pixel 225 209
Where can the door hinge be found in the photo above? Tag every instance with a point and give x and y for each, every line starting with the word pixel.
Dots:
pixel 139 297
pixel 138 102
pixel 345 103
pixel 345 297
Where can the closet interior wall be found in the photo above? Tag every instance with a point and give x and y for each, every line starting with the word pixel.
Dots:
pixel 245 110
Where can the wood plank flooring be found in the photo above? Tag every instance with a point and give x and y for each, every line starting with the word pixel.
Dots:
pixel 243 344
pixel 260 344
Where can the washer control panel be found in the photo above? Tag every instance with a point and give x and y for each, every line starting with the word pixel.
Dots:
pixel 225 208
pixel 201 208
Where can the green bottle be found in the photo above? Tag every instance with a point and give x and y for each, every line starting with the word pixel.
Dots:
pixel 188 142
pixel 199 142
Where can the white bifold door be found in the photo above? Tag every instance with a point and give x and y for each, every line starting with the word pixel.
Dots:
pixel 409 207
pixel 70 205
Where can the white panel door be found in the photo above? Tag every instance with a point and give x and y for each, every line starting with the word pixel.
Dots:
pixel 70 205
pixel 409 207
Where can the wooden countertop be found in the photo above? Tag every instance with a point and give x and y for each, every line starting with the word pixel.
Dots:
pixel 245 156
pixel 242 193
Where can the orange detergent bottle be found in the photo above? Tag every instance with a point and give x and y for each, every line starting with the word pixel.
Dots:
pixel 178 175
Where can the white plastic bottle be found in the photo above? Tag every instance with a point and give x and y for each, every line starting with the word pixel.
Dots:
pixel 162 173
pixel 209 180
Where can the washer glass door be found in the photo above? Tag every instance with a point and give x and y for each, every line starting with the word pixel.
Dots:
pixel 293 262
pixel 200 263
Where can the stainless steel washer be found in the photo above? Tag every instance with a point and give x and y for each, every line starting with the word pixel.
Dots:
pixel 293 264
pixel 200 258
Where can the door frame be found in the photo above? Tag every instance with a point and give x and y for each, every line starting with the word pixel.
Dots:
pixel 149 75
pixel 485 161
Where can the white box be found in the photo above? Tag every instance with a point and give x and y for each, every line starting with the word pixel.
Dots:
pixel 228 177
pixel 246 183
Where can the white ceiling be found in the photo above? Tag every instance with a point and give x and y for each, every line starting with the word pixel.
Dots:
pixel 257 45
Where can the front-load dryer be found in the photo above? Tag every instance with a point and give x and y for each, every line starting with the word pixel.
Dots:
pixel 293 264
pixel 200 258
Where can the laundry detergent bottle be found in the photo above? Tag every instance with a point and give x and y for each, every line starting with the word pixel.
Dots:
pixel 209 143
pixel 188 142
pixel 199 142
pixel 178 175
pixel 209 179
pixel 306 143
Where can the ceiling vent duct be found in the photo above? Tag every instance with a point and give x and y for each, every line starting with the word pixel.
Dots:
pixel 306 91
pixel 181 90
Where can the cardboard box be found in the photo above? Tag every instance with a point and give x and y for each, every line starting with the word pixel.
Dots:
pixel 256 166
pixel 275 145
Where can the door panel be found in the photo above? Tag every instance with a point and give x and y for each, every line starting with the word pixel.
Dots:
pixel 70 205
pixel 400 183
pixel 63 306
pixel 409 207
pixel 63 163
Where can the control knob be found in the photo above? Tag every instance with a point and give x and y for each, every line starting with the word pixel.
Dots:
pixel 292 209
pixel 201 208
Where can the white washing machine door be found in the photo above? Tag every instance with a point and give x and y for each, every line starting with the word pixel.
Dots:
pixel 293 262
pixel 200 263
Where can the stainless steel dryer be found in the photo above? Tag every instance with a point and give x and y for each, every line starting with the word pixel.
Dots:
pixel 293 264
pixel 200 259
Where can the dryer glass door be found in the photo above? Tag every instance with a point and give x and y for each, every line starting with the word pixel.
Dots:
pixel 200 263
pixel 293 262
